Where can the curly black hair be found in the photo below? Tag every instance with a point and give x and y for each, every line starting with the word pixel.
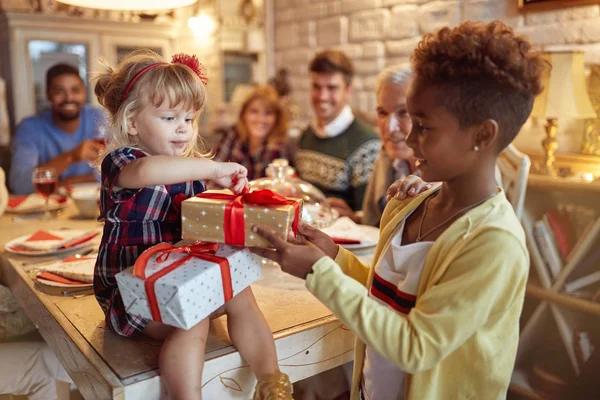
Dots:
pixel 484 71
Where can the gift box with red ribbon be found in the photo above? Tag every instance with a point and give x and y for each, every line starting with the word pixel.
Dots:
pixel 182 285
pixel 222 217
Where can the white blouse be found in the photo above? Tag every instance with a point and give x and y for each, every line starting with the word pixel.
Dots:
pixel 395 284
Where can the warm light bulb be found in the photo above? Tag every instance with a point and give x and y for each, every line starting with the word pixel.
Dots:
pixel 202 25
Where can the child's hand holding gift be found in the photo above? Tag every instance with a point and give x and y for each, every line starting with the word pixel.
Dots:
pixel 297 256
pixel 232 176
pixel 308 234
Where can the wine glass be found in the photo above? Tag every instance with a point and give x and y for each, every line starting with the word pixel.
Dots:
pixel 45 182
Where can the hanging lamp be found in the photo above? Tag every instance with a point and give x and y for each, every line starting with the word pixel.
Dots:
pixel 130 5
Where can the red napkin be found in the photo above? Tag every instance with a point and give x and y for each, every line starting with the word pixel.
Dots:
pixel 344 241
pixel 79 240
pixel 49 276
pixel 14 201
pixel 43 235
pixel 75 258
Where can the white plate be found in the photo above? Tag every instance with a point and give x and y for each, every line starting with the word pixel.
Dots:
pixel 370 236
pixel 40 208
pixel 63 285
pixel 10 245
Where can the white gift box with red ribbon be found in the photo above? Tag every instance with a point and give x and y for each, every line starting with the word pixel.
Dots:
pixel 182 285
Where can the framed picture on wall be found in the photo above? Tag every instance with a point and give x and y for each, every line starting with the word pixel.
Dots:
pixel 535 5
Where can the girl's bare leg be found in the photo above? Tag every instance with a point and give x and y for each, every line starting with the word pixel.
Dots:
pixel 181 358
pixel 251 334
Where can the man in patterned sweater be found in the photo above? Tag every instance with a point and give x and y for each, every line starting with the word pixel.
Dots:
pixel 336 152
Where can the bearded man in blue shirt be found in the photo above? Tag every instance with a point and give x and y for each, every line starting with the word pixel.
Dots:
pixel 66 137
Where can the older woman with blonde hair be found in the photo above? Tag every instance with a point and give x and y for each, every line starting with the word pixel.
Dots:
pixel 260 134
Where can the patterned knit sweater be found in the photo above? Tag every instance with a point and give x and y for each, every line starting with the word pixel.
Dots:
pixel 340 166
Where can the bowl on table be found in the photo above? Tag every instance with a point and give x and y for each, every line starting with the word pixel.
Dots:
pixel 86 197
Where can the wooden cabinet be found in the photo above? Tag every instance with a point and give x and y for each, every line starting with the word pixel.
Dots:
pixel 551 315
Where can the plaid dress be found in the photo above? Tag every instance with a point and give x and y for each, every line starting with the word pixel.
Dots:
pixel 134 220
pixel 233 149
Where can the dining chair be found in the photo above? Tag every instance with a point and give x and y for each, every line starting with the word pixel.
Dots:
pixel 514 170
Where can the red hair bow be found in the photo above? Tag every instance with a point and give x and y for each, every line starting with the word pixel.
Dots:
pixel 192 62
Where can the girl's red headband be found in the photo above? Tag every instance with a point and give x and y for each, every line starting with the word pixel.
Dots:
pixel 190 61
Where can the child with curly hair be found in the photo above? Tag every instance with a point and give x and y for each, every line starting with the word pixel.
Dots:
pixel 153 160
pixel 437 317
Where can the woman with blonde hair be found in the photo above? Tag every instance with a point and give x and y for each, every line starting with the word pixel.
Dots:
pixel 259 136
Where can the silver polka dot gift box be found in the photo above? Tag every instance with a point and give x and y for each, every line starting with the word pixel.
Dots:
pixel 181 285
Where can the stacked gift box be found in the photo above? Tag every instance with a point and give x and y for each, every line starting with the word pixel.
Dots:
pixel 180 285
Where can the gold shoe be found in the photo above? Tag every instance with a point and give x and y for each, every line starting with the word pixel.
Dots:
pixel 274 387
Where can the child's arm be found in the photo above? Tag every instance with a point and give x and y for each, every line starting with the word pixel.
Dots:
pixel 347 261
pixel 487 279
pixel 168 170
pixel 352 266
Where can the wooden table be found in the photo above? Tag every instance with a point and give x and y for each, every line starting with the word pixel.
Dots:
pixel 308 337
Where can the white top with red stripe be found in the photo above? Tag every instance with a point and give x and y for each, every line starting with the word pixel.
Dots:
pixel 395 284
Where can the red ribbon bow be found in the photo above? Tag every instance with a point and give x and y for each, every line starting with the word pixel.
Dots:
pixel 202 250
pixel 234 225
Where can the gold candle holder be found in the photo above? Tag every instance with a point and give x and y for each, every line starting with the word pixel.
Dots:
pixel 550 145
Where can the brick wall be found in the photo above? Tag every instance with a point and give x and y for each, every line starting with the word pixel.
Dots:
pixel 377 33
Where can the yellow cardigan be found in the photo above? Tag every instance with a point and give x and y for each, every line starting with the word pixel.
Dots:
pixel 460 340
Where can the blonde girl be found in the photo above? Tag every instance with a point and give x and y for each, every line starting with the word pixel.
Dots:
pixel 153 159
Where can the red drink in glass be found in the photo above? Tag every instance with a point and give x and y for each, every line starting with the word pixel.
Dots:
pixel 45 182
pixel 45 187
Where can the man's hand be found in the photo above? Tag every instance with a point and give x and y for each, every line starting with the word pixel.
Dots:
pixel 410 186
pixel 343 208
pixel 88 151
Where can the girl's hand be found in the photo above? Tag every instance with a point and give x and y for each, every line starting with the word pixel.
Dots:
pixel 295 259
pixel 307 233
pixel 411 186
pixel 231 176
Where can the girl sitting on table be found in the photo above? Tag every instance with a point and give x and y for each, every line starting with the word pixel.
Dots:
pixel 154 157
pixel 437 317
pixel 259 136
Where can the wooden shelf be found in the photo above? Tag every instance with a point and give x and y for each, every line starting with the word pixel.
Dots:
pixel 575 161
pixel 567 184
pixel 563 299
pixel 520 385
pixel 555 305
